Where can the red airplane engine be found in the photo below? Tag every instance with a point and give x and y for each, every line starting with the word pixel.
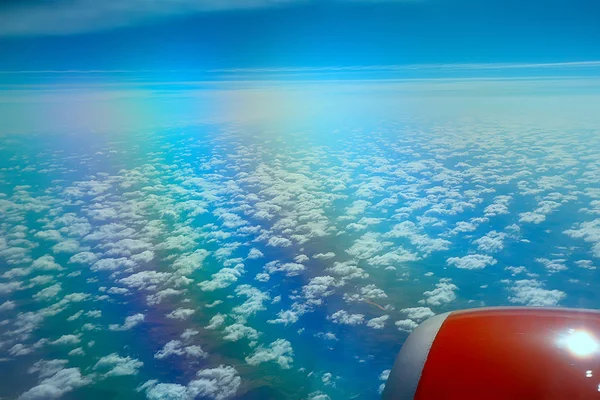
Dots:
pixel 500 353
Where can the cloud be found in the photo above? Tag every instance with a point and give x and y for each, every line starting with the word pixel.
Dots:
pixel 55 386
pixel 112 264
pixel 532 293
pixel 116 365
pixel 318 287
pixel 236 332
pixel 589 232
pixel 222 279
pixel 472 261
pixel 159 391
pixel 181 313
pixel 129 323
pixel 532 217
pixel 47 368
pixel 406 325
pixel 344 318
pixel 216 321
pixel 7 305
pixel 553 266
pixel 67 340
pixel 443 293
pixel 493 242
pixel 215 383
pixel 324 256
pixel 48 293
pixel 378 323
pixel 46 263
pixel 175 347
pixel 84 257
pixel 218 383
pixel 279 351
pixel 418 313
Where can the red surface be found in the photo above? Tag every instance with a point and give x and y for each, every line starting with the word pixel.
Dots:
pixel 508 354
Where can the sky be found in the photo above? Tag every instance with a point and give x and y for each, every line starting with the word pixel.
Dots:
pixel 209 34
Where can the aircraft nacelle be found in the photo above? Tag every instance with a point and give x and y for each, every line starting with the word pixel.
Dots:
pixel 500 353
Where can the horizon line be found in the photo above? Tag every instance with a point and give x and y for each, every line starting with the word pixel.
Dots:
pixel 351 68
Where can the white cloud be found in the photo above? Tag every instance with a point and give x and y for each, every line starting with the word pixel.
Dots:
pixel 442 294
pixel 218 383
pixel 516 270
pixel 290 269
pixel 532 217
pixel 348 270
pixel 238 331
pixel 162 391
pixel 406 325
pixel 77 352
pixel 188 333
pixel 254 302
pixel 55 386
pixel 188 263
pixel 280 351
pixel 286 317
pixel 145 279
pixel 553 266
pixel 9 287
pixel 46 368
pixel 115 365
pixel 590 232
pixel 112 264
pixel 421 241
pixel 367 246
pixel 318 287
pixel 181 313
pixel 262 277
pixel 46 263
pixel 7 305
pixel 493 242
pixel 372 292
pixel 344 318
pixel 143 257
pixel 324 256
pixel 378 322
pixel 586 264
pixel 129 323
pixel 254 254
pixel 472 261
pixel 384 377
pixel 222 279
pixel 277 241
pixel 532 293
pixel 20 349
pixel 126 247
pixel 50 235
pixel 67 340
pixel 318 396
pixel 175 347
pixel 85 257
pixel 418 313
pixel 48 293
pixel 66 246
pixel 159 296
pixel 216 321
pixel 215 383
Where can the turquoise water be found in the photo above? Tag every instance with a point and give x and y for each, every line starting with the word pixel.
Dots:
pixel 294 259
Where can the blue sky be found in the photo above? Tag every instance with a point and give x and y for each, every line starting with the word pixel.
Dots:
pixel 208 34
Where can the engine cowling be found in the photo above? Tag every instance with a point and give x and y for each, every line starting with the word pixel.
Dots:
pixel 500 353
